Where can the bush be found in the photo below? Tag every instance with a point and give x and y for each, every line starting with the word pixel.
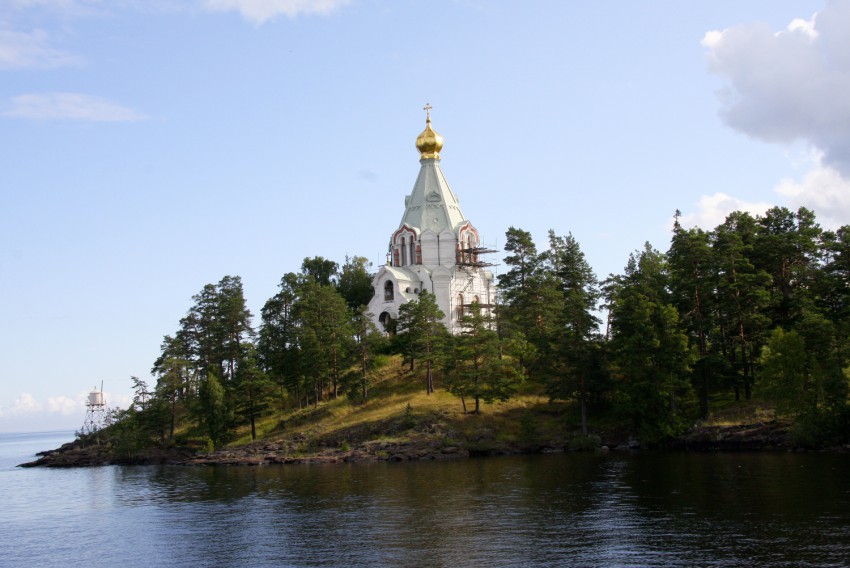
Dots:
pixel 528 425
pixel 585 443
pixel 822 428
pixel 409 420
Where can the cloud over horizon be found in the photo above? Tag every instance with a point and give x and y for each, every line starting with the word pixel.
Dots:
pixel 27 413
pixel 712 210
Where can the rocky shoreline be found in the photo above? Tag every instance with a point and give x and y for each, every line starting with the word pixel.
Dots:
pixel 295 449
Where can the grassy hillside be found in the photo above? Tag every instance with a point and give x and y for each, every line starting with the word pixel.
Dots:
pixel 399 408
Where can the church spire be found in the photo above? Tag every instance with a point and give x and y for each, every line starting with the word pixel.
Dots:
pixel 429 143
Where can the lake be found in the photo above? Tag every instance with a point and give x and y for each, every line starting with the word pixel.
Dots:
pixel 638 509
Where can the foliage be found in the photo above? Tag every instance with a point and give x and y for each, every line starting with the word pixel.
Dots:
pixel 649 349
pixel 422 335
pixel 758 306
pixel 355 282
pixel 476 368
pixel 212 409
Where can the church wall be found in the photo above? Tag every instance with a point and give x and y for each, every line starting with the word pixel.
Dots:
pixel 448 248
pixel 469 284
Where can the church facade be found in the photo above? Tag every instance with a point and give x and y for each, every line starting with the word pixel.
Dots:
pixel 435 248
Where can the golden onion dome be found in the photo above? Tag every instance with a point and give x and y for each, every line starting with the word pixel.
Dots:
pixel 429 143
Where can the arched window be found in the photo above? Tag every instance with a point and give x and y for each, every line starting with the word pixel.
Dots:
pixel 403 253
pixel 459 306
pixel 388 292
pixel 387 323
pixel 412 251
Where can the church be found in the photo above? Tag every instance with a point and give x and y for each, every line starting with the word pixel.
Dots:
pixel 435 248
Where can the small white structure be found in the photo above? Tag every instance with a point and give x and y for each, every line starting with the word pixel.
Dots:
pixel 435 248
pixel 95 411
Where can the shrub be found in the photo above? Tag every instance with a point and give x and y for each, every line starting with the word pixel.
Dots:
pixel 585 443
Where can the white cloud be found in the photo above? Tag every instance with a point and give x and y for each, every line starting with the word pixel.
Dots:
pixel 64 405
pixel 70 106
pixel 25 404
pixel 260 11
pixel 69 411
pixel 822 190
pixel 790 85
pixel 22 50
pixel 713 209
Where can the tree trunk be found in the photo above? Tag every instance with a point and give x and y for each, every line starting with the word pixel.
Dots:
pixel 583 408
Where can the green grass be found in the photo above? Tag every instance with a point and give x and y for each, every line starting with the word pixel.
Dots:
pixel 398 407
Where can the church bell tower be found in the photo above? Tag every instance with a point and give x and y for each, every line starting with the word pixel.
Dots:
pixel 435 247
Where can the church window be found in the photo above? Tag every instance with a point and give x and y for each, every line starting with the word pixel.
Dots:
pixel 412 251
pixel 386 321
pixel 388 292
pixel 403 252
pixel 459 306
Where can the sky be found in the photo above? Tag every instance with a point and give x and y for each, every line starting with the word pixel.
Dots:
pixel 149 147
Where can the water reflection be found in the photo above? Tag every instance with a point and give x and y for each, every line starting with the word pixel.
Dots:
pixel 576 509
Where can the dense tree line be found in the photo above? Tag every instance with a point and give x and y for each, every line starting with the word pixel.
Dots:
pixel 758 306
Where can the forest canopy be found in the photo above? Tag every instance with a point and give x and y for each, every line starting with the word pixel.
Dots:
pixel 759 306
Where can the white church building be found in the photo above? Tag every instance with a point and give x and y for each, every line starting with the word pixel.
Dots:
pixel 434 248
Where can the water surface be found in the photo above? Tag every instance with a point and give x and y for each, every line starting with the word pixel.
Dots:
pixel 643 509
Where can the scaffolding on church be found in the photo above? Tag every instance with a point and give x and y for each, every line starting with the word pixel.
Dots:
pixel 471 261
pixel 471 257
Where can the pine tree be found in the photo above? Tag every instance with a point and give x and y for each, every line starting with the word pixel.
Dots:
pixel 422 334
pixel 475 367
pixel 576 338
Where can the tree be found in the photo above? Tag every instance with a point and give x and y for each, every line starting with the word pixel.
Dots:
pixel 324 335
pixel 802 369
pixel 742 296
pixel 233 323
pixel 529 298
pixel 578 333
pixel 252 388
pixel 422 333
pixel 212 409
pixel 277 346
pixel 319 269
pixel 216 326
pixel 784 362
pixel 475 368
pixel 694 282
pixel 369 341
pixel 649 349
pixel 355 282
pixel 786 247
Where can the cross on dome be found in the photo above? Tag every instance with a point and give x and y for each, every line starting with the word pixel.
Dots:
pixel 429 143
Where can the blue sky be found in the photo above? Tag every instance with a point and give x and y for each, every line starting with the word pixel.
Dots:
pixel 150 147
